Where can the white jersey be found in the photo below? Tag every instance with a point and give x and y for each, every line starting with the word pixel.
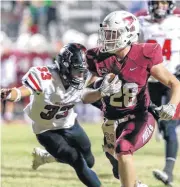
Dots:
pixel 44 108
pixel 167 34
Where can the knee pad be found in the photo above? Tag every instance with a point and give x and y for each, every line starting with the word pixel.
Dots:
pixel 123 146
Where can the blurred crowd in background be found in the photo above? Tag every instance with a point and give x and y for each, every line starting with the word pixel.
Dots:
pixel 33 32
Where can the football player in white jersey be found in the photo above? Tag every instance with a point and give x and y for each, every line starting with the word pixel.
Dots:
pixel 54 90
pixel 161 24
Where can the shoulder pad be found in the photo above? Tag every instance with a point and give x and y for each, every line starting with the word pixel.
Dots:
pixel 148 49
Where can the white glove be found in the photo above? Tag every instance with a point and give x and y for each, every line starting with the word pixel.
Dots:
pixel 72 96
pixel 109 87
pixel 166 112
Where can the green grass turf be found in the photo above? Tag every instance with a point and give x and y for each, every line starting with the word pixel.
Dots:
pixel 18 142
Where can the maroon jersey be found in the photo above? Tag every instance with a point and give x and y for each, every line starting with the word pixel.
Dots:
pixel 134 72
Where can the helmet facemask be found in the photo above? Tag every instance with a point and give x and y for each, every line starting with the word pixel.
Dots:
pixel 77 77
pixel 118 30
pixel 111 40
pixel 160 9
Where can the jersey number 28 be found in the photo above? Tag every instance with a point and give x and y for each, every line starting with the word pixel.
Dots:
pixel 127 96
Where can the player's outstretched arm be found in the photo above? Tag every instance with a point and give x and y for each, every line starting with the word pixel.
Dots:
pixel 15 94
pixel 165 77
pixel 102 87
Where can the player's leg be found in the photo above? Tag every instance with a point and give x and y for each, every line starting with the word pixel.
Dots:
pixel 108 129
pixel 77 137
pixel 171 150
pixel 168 129
pixel 131 136
pixel 58 147
pixel 112 160
pixel 156 91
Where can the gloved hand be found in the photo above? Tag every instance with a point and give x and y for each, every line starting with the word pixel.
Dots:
pixel 109 86
pixel 4 93
pixel 166 112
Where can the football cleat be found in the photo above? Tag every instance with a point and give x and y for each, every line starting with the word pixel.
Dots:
pixel 163 177
pixel 38 157
pixel 139 184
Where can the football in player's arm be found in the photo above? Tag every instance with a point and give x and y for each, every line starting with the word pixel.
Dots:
pixel 54 90
pixel 126 112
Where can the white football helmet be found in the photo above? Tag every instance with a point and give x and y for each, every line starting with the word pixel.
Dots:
pixel 118 30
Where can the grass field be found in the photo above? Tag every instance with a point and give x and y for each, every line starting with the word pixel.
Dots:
pixel 18 142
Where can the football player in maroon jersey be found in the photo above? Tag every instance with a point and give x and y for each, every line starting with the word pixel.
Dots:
pixel 128 125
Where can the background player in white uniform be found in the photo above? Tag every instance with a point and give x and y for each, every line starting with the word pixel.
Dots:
pixel 162 25
pixel 54 90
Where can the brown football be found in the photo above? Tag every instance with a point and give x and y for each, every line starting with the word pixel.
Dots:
pixel 112 76
pixel 99 81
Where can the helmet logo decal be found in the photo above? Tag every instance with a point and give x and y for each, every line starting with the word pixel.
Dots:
pixel 67 57
pixel 129 19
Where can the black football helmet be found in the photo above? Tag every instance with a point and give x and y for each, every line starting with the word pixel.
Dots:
pixel 71 64
pixel 157 13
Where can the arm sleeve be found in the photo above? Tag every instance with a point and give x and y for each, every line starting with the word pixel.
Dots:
pixel 32 80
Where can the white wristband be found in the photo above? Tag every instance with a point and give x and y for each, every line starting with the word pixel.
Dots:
pixel 18 94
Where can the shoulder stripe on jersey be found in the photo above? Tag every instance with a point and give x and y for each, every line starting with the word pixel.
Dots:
pixel 34 82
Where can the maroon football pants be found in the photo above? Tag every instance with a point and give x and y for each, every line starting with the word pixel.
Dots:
pixel 134 134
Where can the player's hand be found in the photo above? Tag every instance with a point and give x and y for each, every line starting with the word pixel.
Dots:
pixel 166 112
pixel 109 86
pixel 4 93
